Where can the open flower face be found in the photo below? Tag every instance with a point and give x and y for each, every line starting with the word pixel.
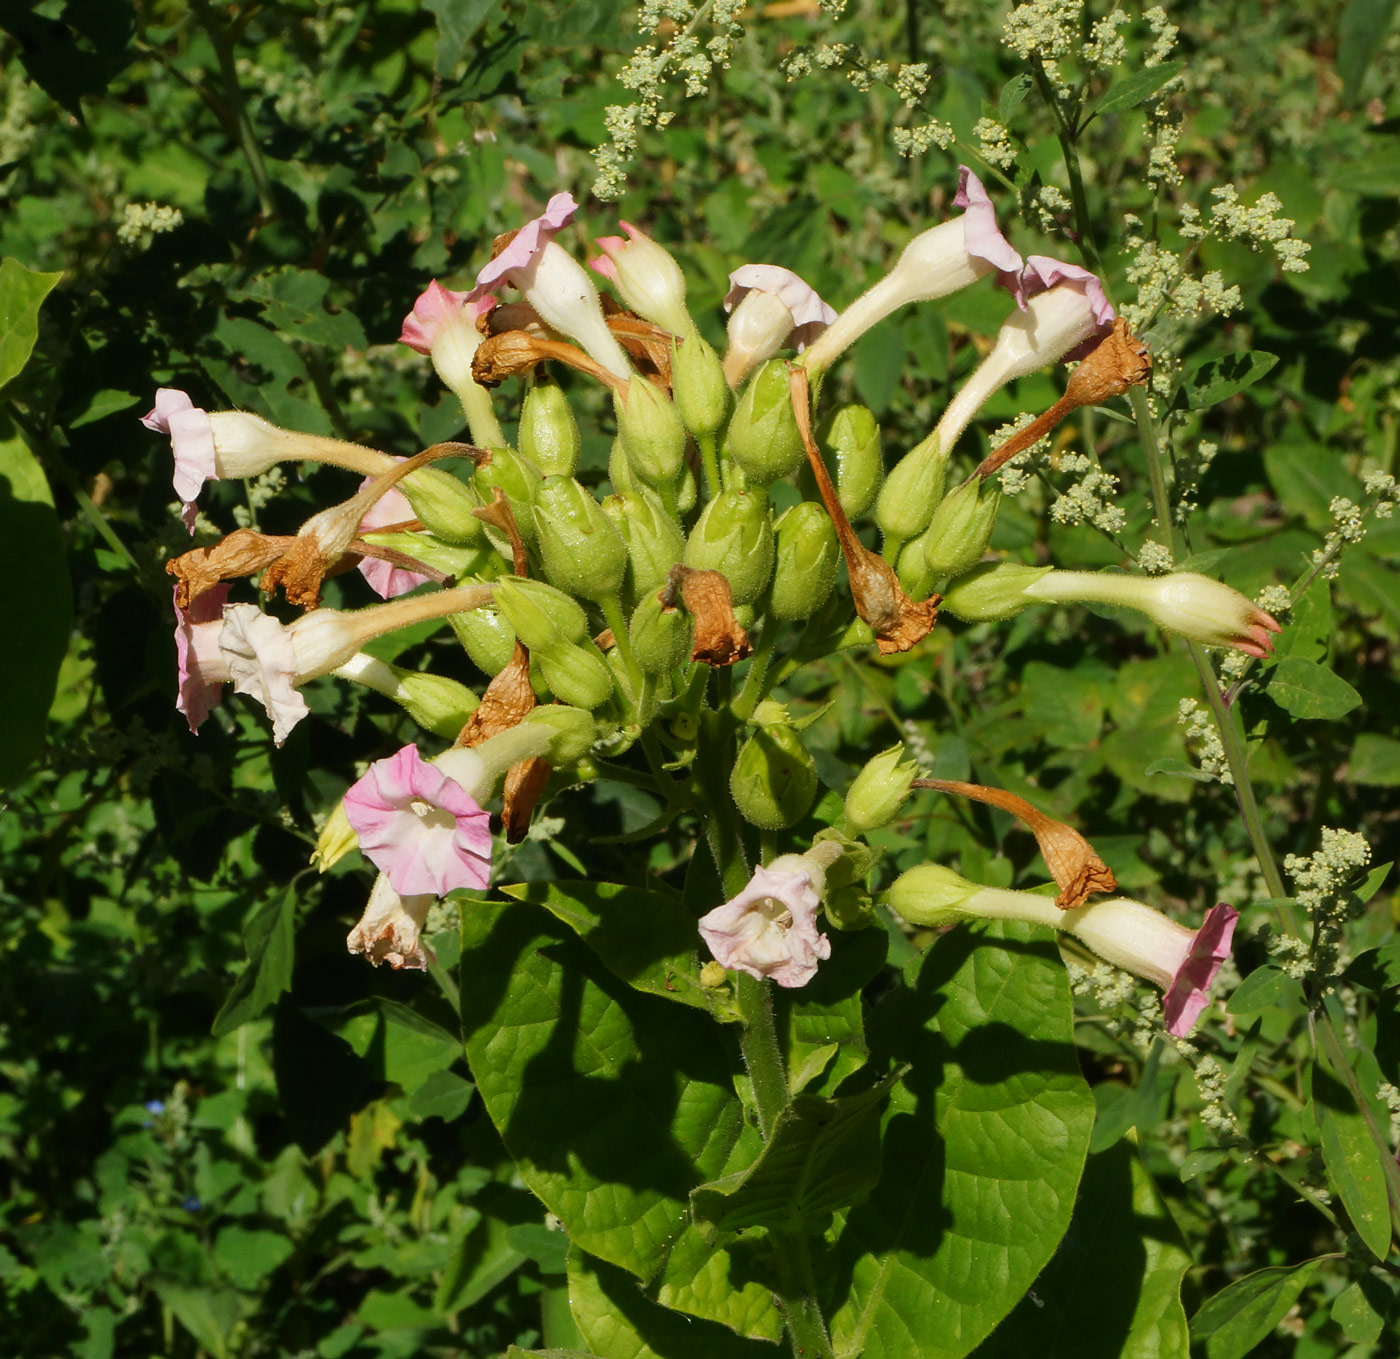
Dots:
pixel 390 929
pixel 202 668
pixel 422 829
pixel 770 928
pixel 191 441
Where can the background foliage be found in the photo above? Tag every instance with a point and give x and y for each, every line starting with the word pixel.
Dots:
pixel 324 1178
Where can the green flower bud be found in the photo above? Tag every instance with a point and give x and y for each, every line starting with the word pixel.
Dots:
pixel 654 540
pixel 915 579
pixel 519 479
pixel 444 504
pixel 336 840
pixel 775 780
pixel 486 637
pixel 577 675
pixel 960 529
pixel 879 790
pixel 912 491
pixel 581 548
pixel 688 493
pixel 992 592
pixel 573 731
pixel 762 436
pixel 619 470
pixel 660 636
pixel 697 384
pixel 734 536
pixel 436 703
pixel 853 436
pixel 652 434
pixel 807 557
pixel 540 615
pixel 548 431
pixel 929 894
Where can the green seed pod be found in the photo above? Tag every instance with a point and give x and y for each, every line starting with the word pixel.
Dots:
pixel 573 730
pixel 697 384
pixel 654 540
pixel 436 703
pixel 992 592
pixel 582 551
pixel 734 536
pixel 775 780
pixel 915 579
pixel 912 491
pixel 807 557
pixel 577 675
pixel 960 530
pixel 688 492
pixel 852 436
pixel 540 615
pixel 762 436
pixel 619 470
pixel 548 431
pixel 660 636
pixel 879 790
pixel 652 434
pixel 519 479
pixel 487 638
pixel 445 505
pixel 930 895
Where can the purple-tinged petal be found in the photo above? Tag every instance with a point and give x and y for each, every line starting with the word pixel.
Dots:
pixel 981 235
pixel 1189 992
pixel 386 579
pixel 438 307
pixel 798 296
pixel 1042 272
pixel 191 442
pixel 526 243
pixel 420 827
pixel 201 670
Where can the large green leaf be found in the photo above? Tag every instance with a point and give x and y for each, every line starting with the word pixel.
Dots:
pixel 401 1045
pixel 22 292
pixel 613 1103
pixel 1214 380
pixel 618 1321
pixel 1237 1318
pixel 1352 1158
pixel 985 1141
pixel 648 939
pixel 1113 1290
pixel 1308 689
pixel 270 947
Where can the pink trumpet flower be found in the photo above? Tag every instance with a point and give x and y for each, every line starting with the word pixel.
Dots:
pixel 203 672
pixel 770 308
pixel 770 928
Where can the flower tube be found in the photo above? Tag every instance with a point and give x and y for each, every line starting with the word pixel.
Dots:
pixel 770 308
pixel 203 672
pixel 1125 933
pixel 952 255
pixel 442 325
pixel 555 285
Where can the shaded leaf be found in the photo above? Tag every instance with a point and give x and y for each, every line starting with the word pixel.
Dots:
pixel 22 292
pixel 1237 1318
pixel 269 941
pixel 1215 380
pixel 1140 86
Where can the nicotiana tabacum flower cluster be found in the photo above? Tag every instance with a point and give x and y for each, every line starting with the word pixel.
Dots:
pixel 639 628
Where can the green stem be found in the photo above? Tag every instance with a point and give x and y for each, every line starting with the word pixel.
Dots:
pixel 709 458
pixel 446 985
pixel 1068 147
pixel 798 1300
pixel 612 614
pixel 1156 468
pixel 759 1043
pixel 755 682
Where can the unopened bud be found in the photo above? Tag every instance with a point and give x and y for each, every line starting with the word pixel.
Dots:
pixel 853 436
pixel 652 434
pixel 486 637
pixel 548 431
pixel 879 790
pixel 807 557
pixel 580 546
pixel 576 674
pixel 992 592
pixel 620 470
pixel 518 479
pixel 688 492
pixel 960 529
pixel 930 894
pixel 762 437
pixel 912 491
pixel 436 703
pixel 734 537
pixel 455 560
pixel 336 840
pixel 572 732
pixel 654 540
pixel 775 780
pixel 660 635
pixel 540 615
pixel 444 504
pixel 697 384
pixel 713 975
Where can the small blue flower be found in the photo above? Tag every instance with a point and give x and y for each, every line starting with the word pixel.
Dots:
pixel 192 1204
pixel 155 1106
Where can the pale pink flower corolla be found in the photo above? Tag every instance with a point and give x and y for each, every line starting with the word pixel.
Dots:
pixel 646 277
pixel 771 308
pixel 191 441
pixel 770 928
pixel 438 310
pixel 203 672
pixel 391 927
pixel 262 663
pixel 1189 991
pixel 420 827
pixel 386 579
pixel 555 285
pixel 982 238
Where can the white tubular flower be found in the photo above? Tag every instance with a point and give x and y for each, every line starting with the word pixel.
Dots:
pixel 646 277
pixel 939 261
pixel 442 325
pixel 770 308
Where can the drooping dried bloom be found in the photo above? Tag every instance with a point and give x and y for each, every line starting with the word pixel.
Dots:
pixel 505 702
pixel 390 929
pixel 719 638
pixel 422 829
pixel 1076 868
pixel 770 928
pixel 203 672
